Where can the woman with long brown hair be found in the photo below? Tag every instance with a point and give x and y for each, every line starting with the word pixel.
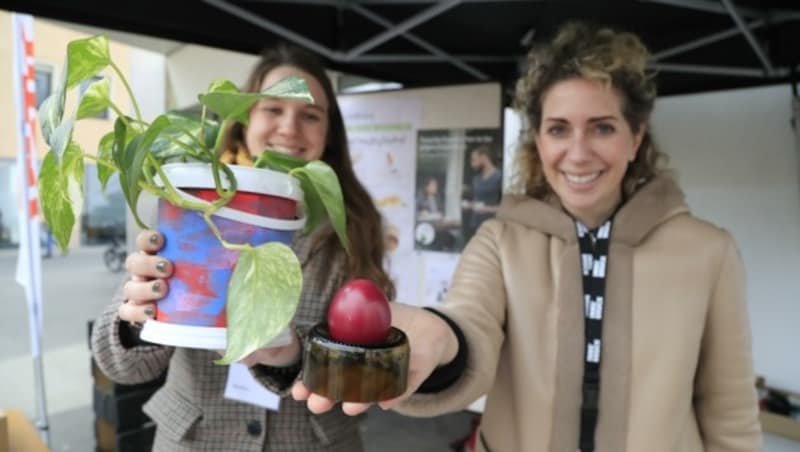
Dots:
pixel 189 411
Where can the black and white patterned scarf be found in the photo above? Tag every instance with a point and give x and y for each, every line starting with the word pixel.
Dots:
pixel 594 264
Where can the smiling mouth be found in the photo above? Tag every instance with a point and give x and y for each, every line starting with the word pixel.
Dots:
pixel 285 150
pixel 582 178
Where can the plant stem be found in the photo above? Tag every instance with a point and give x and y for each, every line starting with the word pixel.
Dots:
pixel 128 89
pixel 99 161
pixel 220 133
pixel 120 115
pixel 218 234
pixel 202 135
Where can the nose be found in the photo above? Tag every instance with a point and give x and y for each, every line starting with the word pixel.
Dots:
pixel 289 124
pixel 578 148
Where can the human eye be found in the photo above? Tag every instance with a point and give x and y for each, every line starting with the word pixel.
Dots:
pixel 604 128
pixel 270 107
pixel 312 116
pixel 556 130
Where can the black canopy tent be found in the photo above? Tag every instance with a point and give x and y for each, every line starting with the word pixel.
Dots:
pixel 698 45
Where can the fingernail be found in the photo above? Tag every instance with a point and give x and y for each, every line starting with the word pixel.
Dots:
pixel 156 287
pixel 154 239
pixel 161 266
pixel 148 311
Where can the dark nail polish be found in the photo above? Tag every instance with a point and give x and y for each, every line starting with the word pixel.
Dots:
pixel 154 239
pixel 156 287
pixel 149 312
pixel 161 266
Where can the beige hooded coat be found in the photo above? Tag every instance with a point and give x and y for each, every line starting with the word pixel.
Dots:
pixel 676 370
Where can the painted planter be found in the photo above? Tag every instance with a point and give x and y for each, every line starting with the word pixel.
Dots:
pixel 264 209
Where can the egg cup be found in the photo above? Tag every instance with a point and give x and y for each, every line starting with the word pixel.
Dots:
pixel 355 373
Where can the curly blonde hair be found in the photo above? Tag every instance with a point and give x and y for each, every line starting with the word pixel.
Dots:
pixel 616 59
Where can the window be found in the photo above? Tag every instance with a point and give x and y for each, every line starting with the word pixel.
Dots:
pixel 44 82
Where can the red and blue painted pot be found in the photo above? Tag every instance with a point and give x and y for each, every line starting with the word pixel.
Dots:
pixel 264 209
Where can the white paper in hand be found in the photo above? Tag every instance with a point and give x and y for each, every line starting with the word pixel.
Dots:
pixel 242 386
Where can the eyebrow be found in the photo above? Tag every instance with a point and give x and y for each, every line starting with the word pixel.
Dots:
pixel 317 107
pixel 592 119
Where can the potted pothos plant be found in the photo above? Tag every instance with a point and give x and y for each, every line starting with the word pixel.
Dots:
pixel 264 287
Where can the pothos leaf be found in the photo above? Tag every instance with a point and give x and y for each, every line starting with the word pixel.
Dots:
pixel 133 162
pixel 86 58
pixel 317 177
pixel 278 161
pixel 263 294
pixel 95 100
pixel 61 192
pixel 104 151
pixel 234 105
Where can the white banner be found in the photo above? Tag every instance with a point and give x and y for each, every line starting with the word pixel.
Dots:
pixel 29 262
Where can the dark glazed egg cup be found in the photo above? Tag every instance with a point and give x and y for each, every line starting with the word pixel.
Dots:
pixel 355 373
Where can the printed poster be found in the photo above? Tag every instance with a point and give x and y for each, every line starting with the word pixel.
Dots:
pixel 382 137
pixel 458 185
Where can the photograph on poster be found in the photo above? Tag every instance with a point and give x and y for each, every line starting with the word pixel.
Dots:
pixel 458 185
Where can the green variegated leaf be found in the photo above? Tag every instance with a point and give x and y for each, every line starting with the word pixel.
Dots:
pixel 104 154
pixel 278 161
pixel 317 177
pixel 222 86
pixel 51 111
pixel 234 105
pixel 121 140
pixel 86 58
pixel 61 138
pixel 61 193
pixel 55 202
pixel 72 169
pixel 132 167
pixel 95 100
pixel 312 204
pixel 292 87
pixel 181 140
pixel 263 294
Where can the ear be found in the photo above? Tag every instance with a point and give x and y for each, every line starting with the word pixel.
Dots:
pixel 637 140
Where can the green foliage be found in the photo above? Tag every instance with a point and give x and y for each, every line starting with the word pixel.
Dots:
pixel 265 291
pixel 137 150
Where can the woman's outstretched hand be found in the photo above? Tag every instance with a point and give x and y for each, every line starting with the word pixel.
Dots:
pixel 432 344
pixel 148 282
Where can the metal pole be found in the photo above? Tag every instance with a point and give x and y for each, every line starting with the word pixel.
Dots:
pixel 42 422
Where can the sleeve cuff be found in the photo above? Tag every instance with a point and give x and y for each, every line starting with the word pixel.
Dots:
pixel 281 377
pixel 444 376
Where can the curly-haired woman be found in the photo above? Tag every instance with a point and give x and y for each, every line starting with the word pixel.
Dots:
pixel 595 311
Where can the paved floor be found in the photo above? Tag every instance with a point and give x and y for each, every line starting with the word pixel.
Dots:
pixel 75 288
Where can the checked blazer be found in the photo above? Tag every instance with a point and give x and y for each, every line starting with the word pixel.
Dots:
pixel 190 411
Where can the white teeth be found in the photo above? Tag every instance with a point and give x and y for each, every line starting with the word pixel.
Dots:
pixel 284 150
pixel 585 179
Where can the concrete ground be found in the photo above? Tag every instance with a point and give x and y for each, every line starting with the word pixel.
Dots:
pixel 76 287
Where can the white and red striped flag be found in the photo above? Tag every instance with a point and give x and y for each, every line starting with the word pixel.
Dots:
pixel 29 262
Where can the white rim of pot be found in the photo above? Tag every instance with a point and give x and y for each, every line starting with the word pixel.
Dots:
pixel 254 180
pixel 205 337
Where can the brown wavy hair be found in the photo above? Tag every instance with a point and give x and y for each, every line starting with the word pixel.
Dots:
pixel 618 60
pixel 364 224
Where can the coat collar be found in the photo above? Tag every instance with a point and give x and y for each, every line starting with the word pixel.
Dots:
pixel 654 203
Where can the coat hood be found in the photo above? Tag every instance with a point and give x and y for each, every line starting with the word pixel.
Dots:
pixel 654 203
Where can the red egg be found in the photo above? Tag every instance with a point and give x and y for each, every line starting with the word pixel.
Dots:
pixel 359 314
